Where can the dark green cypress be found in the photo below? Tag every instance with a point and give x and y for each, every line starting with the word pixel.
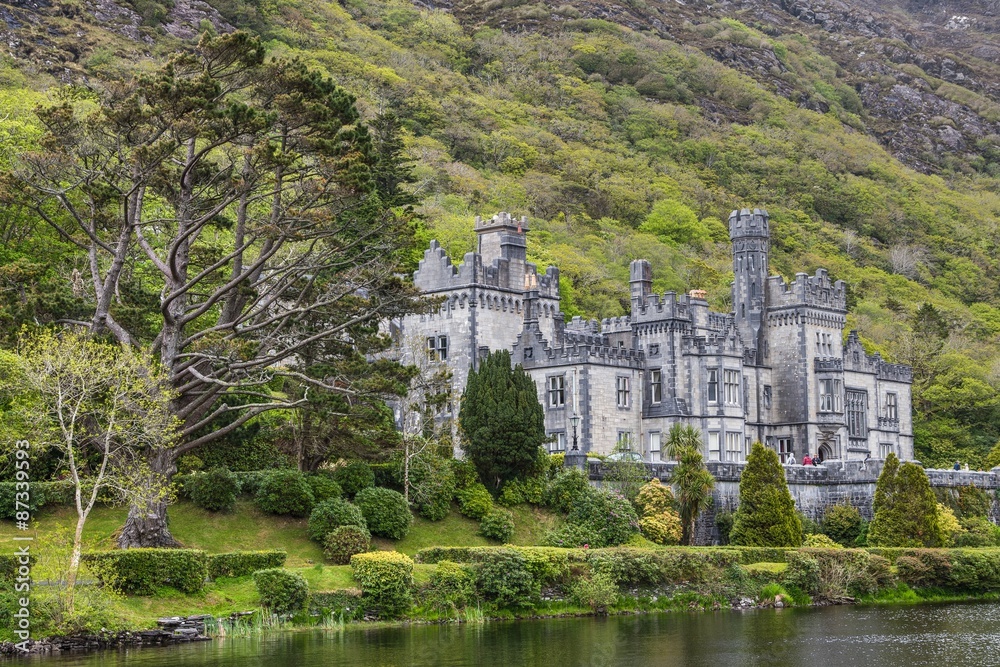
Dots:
pixel 905 508
pixel 502 421
pixel 766 516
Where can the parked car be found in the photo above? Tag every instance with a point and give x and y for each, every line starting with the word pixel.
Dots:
pixel 625 456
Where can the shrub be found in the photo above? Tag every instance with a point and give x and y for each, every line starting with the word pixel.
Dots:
pixel 386 579
pixel 598 592
pixel 215 490
pixel 474 501
pixel 281 591
pixel 906 513
pixel 388 474
pixel 330 515
pixel 385 512
pixel 8 496
pixel 572 535
pixel 607 514
pixel 820 541
pixel 324 487
pixel 497 525
pixel 948 524
pixel 433 487
pixel 766 515
pixel 663 528
pixel 354 476
pixel 976 531
pixel 518 491
pixel 142 571
pixel 565 488
pixel 465 473
pixel 724 524
pixel 842 524
pixel 924 567
pixel 654 498
pixel 243 563
pixel 505 579
pixel 343 603
pixel 285 491
pixel 344 542
pixel 835 574
pixel 451 586
pixel 802 572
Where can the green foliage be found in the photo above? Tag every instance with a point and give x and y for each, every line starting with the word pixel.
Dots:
pixel 820 541
pixel 842 523
pixel 243 563
pixel 386 512
pixel 474 501
pixel 724 523
pixel 675 223
pixel 977 531
pixel 766 514
pixel 965 501
pixel 285 492
pixel 625 476
pixel 465 473
pixel 433 486
pixel 330 515
pixel 498 524
pixel 343 542
pixel 599 591
pixel 142 571
pixel 518 491
pixel 452 587
pixel 214 490
pixel 281 591
pixel 502 420
pixel 9 493
pixel 835 574
pixel 504 579
pixel 659 522
pixel 607 515
pixel 563 490
pixel 692 481
pixel 323 487
pixel 573 535
pixel 906 513
pixel 386 579
pixel 354 476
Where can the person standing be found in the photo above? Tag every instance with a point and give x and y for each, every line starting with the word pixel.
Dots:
pixel 807 460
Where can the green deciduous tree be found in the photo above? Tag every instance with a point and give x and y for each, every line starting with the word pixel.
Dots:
pixel 105 408
pixel 502 421
pixel 766 516
pixel 906 511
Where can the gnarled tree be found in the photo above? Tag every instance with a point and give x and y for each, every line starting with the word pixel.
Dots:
pixel 229 208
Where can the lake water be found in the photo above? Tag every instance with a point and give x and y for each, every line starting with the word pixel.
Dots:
pixel 940 635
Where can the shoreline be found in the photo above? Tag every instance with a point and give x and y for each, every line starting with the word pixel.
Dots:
pixel 160 638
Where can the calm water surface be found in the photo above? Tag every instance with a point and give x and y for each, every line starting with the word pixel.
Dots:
pixel 940 635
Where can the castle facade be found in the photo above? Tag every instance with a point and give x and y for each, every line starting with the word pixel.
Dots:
pixel 778 369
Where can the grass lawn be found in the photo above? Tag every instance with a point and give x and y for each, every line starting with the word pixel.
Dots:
pixel 246 528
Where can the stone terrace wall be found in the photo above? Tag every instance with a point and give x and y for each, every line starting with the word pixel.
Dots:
pixel 814 488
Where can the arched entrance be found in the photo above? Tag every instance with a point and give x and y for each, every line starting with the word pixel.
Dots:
pixel 825 453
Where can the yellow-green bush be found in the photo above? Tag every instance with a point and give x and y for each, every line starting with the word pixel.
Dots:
pixel 386 579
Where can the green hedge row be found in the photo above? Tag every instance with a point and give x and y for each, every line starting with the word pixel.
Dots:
pixel 243 563
pixel 142 571
pixel 975 570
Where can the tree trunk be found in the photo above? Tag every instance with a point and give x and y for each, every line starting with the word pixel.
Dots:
pixel 146 525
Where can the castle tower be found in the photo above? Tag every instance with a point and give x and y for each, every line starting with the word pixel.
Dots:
pixel 750 235
pixel 640 283
pixel 503 237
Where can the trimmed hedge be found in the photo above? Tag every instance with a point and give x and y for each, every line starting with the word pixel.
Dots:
pixel 386 579
pixel 330 515
pixel 344 603
pixel 323 487
pixel 243 563
pixel 215 490
pixel 281 591
pixel 344 542
pixel 142 571
pixel 505 579
pixel 385 512
pixel 285 492
pixel 354 476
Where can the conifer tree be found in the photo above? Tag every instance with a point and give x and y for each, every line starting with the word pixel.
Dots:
pixel 905 508
pixel 502 421
pixel 766 516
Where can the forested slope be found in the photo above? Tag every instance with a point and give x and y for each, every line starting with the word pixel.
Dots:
pixel 870 135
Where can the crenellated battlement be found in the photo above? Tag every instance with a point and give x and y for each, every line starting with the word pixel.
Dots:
pixel 621 324
pixel 749 224
pixel 816 291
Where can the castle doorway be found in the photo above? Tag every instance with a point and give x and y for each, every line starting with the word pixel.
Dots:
pixel 825 453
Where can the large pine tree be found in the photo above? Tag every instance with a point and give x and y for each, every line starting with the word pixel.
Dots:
pixel 905 508
pixel 766 516
pixel 502 420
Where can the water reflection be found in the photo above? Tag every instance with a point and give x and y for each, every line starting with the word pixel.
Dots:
pixel 936 635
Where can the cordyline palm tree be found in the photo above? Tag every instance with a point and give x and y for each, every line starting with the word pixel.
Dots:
pixel 681 436
pixel 692 482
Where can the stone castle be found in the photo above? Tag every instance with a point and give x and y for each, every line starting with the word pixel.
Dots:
pixel 777 369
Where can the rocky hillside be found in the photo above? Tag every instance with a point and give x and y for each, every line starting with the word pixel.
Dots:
pixel 870 131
